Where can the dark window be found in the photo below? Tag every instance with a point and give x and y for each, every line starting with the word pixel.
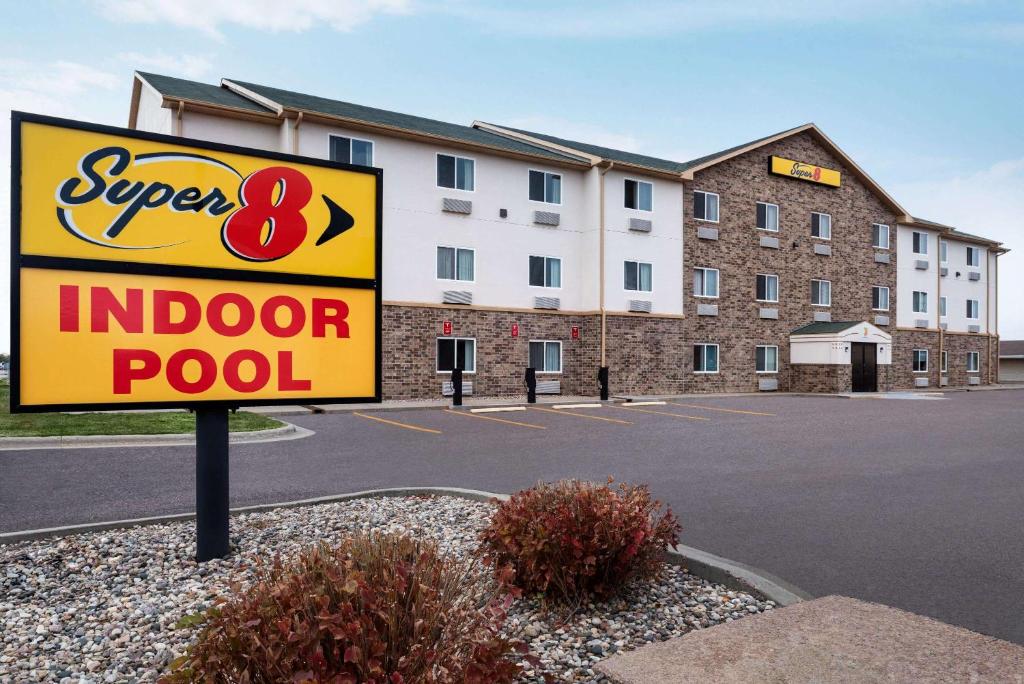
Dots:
pixel 456 353
pixel 638 195
pixel 537 271
pixel 536 186
pixel 445 171
pixel 341 149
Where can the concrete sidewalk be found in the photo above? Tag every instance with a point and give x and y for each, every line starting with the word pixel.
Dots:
pixel 831 639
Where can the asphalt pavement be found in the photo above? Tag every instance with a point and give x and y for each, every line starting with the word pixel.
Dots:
pixel 916 504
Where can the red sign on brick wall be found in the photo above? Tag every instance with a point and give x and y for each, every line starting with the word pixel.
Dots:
pixel 446 328
pixel 515 330
pixel 575 332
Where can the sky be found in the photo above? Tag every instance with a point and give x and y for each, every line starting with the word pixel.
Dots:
pixel 926 95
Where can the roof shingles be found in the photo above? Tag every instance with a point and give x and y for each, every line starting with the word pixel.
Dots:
pixel 194 91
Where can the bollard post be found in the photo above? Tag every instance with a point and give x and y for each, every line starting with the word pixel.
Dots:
pixel 602 379
pixel 457 387
pixel 531 385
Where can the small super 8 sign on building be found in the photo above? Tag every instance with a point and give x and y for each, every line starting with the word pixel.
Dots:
pixel 156 271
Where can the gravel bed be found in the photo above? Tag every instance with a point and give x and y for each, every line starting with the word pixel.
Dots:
pixel 101 607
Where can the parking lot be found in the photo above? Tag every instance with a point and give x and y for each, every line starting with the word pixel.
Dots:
pixel 913 503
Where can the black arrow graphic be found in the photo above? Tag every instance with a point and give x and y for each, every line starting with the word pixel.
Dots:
pixel 340 221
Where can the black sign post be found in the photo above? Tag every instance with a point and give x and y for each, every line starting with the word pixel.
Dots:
pixel 457 387
pixel 211 484
pixel 531 385
pixel 602 380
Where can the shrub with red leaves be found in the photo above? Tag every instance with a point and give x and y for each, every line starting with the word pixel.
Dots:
pixel 571 539
pixel 375 610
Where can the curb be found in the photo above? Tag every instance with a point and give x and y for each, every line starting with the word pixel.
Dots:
pixel 285 432
pixel 732 574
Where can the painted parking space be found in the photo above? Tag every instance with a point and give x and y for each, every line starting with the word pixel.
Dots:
pixel 396 423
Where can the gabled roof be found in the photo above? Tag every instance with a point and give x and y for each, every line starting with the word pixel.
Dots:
pixel 193 91
pixel 710 159
pixel 826 328
pixel 347 111
pixel 951 233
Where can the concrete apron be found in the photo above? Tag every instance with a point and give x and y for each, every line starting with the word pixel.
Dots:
pixel 285 432
pixel 731 574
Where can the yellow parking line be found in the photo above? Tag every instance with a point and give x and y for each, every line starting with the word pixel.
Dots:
pixel 723 410
pixel 496 420
pixel 582 415
pixel 660 413
pixel 407 426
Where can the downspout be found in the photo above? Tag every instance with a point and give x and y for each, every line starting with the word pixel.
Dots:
pixel 988 318
pixel 938 317
pixel 295 134
pixel 604 316
pixel 177 118
pixel 996 304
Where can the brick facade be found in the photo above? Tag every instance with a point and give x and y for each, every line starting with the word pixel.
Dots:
pixel 957 346
pixel 831 379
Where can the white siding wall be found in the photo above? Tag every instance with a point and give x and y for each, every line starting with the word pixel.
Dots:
pixel 958 288
pixel 909 278
pixel 231 131
pixel 152 116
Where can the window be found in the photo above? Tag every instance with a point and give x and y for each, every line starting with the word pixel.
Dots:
pixel 973 256
pixel 942 306
pixel 767 358
pixel 546 187
pixel 454 263
pixel 920 243
pixel 705 358
pixel 880 235
pixel 768 217
pixel 639 195
pixel 637 276
pixel 351 150
pixel 705 206
pixel 545 272
pixel 973 362
pixel 943 359
pixel 546 356
pixel 880 298
pixel 767 288
pixel 456 352
pixel 705 282
pixel 821 226
pixel 455 172
pixel 920 360
pixel 943 251
pixel 920 304
pixel 821 293
pixel 972 309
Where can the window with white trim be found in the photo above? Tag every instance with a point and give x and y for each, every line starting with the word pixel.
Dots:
pixel 880 235
pixel 705 206
pixel 880 298
pixel 456 173
pixel 920 302
pixel 351 150
pixel 767 288
pixel 456 352
pixel 821 225
pixel 546 356
pixel 545 187
pixel 920 243
pixel 972 309
pixel 767 358
pixel 705 282
pixel 639 195
pixel 943 359
pixel 942 306
pixel 705 358
pixel 768 217
pixel 943 251
pixel 545 271
pixel 973 362
pixel 455 263
pixel 637 276
pixel 821 293
pixel 920 360
pixel 973 256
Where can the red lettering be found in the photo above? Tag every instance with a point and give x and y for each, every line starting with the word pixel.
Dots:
pixel 233 378
pixel 286 382
pixel 105 304
pixel 329 312
pixel 125 371
pixel 176 371
pixel 215 314
pixel 192 312
pixel 268 316
pixel 69 308
pixel 243 230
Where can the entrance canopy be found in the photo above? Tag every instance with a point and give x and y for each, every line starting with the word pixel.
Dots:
pixel 830 343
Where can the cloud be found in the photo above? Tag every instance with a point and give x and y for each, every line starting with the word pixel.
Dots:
pixel 187 66
pixel 988 202
pixel 207 16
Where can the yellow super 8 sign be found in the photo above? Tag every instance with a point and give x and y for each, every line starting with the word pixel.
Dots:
pixel 152 271
pixel 807 172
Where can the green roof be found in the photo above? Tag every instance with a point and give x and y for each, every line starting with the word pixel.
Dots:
pixel 605 152
pixel 201 92
pixel 407 122
pixel 723 153
pixel 825 328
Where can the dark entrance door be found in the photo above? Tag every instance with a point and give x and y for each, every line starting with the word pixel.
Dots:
pixel 863 358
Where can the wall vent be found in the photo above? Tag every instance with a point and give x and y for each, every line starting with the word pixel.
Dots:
pixel 457 297
pixel 974 328
pixel 640 305
pixel 920 382
pixel 973 380
pixel 921 264
pixel 640 225
pixel 943 271
pixel 823 250
pixel 921 323
pixel 881 258
pixel 768 313
pixel 705 233
pixel 881 320
pixel 456 206
pixel 767 384
pixel 546 302
pixel 769 242
pixel 822 317
pixel 974 275
pixel 943 326
pixel 547 218
pixel 943 381
pixel 707 309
